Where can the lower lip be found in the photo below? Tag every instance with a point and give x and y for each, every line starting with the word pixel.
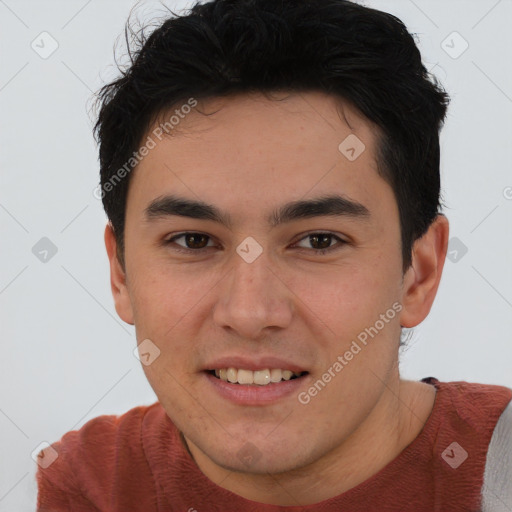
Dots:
pixel 256 394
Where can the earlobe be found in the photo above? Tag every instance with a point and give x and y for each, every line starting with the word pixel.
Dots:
pixel 422 279
pixel 118 278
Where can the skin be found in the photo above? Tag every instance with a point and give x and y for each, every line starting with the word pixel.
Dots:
pixel 248 158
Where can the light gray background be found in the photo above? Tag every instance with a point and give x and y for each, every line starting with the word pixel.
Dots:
pixel 66 357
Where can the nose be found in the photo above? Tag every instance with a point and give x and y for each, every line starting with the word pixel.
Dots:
pixel 253 297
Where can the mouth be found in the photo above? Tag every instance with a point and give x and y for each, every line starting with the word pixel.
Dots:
pixel 264 377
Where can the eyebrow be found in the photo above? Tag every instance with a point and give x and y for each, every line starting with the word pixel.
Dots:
pixel 330 205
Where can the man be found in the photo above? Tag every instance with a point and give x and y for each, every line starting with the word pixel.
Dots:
pixel 270 171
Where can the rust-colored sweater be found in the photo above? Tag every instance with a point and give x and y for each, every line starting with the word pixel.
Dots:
pixel 137 463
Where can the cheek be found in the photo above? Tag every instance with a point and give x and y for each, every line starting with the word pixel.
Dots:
pixel 161 295
pixel 347 297
pixel 168 304
pixel 337 301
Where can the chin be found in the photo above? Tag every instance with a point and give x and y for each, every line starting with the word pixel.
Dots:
pixel 258 457
pixel 262 466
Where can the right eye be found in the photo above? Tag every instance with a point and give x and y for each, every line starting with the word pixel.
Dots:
pixel 191 239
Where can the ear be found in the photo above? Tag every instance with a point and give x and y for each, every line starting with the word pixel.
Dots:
pixel 118 278
pixel 422 278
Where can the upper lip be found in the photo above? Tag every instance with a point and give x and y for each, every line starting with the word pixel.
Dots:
pixel 254 363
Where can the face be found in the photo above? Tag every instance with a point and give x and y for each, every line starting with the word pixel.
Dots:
pixel 255 287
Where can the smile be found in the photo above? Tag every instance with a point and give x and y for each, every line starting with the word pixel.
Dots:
pixel 258 377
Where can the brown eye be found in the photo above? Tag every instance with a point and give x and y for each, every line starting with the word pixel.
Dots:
pixel 193 242
pixel 321 242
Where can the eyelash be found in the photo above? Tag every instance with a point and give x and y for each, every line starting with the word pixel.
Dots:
pixel 320 252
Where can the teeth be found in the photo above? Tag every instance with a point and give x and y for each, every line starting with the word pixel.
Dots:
pixel 287 374
pixel 259 377
pixel 232 375
pixel 275 375
pixel 245 377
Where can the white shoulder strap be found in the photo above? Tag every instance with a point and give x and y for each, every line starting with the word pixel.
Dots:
pixel 497 488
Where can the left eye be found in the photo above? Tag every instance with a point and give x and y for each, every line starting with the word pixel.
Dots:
pixel 197 242
pixel 324 240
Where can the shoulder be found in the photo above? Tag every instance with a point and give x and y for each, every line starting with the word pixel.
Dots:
pixel 497 488
pixel 478 405
pixel 100 436
pixel 85 460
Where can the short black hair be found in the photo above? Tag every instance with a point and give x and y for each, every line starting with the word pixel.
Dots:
pixel 224 47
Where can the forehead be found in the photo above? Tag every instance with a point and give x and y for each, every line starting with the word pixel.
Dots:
pixel 251 151
pixel 271 117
